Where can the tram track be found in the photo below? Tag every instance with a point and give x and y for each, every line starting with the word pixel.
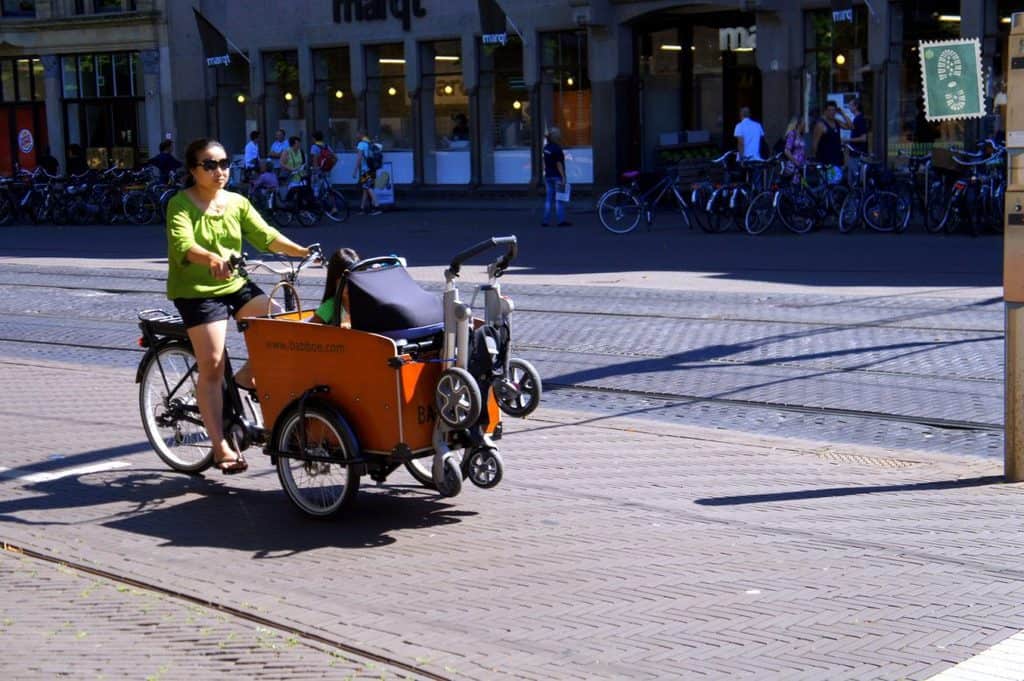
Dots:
pixel 936 422
pixel 305 634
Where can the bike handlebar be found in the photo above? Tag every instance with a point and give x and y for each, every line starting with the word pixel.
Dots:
pixel 501 264
pixel 239 264
pixel 724 157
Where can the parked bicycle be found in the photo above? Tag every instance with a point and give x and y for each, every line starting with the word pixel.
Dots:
pixel 621 208
pixel 977 199
pixel 800 203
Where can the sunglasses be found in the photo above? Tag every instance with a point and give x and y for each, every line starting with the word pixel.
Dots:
pixel 211 165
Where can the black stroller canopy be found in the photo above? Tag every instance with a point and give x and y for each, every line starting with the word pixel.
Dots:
pixel 386 299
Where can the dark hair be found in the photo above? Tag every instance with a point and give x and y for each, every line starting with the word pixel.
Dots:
pixel 340 262
pixel 292 140
pixel 856 102
pixel 318 135
pixel 254 135
pixel 192 152
pixel 831 103
pixel 165 145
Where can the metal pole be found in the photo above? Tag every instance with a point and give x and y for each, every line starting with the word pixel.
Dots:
pixel 1013 464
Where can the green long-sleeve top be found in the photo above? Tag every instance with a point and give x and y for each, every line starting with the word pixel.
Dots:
pixel 221 234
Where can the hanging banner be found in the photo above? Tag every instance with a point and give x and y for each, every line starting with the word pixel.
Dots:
pixel 215 43
pixel 952 80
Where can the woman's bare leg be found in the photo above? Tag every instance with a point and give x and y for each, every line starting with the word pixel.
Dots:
pixel 208 344
pixel 257 307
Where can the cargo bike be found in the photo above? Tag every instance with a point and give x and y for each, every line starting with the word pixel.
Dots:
pixel 417 381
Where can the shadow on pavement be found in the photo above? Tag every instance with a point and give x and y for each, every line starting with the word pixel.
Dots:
pixel 848 491
pixel 430 238
pixel 195 511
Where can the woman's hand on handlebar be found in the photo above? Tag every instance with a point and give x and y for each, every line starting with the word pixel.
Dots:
pixel 219 267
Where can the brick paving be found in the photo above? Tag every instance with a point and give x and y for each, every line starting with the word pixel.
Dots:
pixel 613 549
pixel 56 622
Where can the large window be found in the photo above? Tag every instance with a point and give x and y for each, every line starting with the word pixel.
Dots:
pixel 18 8
pixel 836 57
pixel 446 132
pixel 334 108
pixel 23 134
pixel 908 129
pixel 103 6
pixel 388 108
pixel 565 99
pixel 104 104
pixel 236 112
pixel 283 97
pixel 505 109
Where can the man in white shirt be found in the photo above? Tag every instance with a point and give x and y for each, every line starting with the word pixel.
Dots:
pixel 278 147
pixel 252 149
pixel 748 134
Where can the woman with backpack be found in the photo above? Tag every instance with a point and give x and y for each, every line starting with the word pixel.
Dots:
pixel 367 162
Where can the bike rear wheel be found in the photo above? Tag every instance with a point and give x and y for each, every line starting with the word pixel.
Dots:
pixel 760 214
pixel 850 211
pixel 885 211
pixel 317 488
pixel 170 410
pixel 796 211
pixel 619 210
pixel 139 207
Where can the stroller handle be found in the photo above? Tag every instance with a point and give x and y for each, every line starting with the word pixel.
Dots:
pixel 502 263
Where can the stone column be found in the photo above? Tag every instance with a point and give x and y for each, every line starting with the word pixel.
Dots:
pixel 418 101
pixel 54 114
pixel 885 80
pixel 151 88
pixel 979 19
pixel 478 126
pixel 531 78
pixel 306 87
pixel 610 53
pixel 781 68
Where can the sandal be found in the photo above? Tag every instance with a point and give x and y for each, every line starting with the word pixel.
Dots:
pixel 232 466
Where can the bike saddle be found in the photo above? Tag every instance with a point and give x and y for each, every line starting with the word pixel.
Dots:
pixel 630 174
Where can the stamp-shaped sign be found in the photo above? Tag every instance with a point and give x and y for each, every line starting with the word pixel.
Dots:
pixel 951 75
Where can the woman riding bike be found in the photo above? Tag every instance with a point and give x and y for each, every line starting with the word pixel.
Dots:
pixel 205 227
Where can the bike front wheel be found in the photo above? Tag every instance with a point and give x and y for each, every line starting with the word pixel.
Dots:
pixel 850 211
pixel 796 211
pixel 619 210
pixel 170 410
pixel 334 205
pixel 886 211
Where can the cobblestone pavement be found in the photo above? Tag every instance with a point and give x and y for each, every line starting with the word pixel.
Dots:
pixel 677 508
pixel 615 548
pixel 67 624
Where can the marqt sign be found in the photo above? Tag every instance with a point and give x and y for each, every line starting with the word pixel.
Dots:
pixel 378 10
pixel 737 38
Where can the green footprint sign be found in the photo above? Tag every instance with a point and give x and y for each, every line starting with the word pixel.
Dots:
pixel 951 74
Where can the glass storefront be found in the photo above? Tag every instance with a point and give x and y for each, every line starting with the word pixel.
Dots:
pixel 445 114
pixel 565 99
pixel 236 112
pixel 104 115
pixel 507 129
pixel 913 21
pixel 388 108
pixel 335 113
pixel 23 134
pixel 283 98
pixel 837 59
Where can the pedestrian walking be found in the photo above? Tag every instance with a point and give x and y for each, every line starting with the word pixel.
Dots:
pixel 554 179
pixel 165 161
pixel 794 147
pixel 748 134
pixel 367 162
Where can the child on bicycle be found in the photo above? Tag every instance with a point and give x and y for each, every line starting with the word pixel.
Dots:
pixel 338 265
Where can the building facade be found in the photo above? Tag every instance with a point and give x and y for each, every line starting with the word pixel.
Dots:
pixel 460 92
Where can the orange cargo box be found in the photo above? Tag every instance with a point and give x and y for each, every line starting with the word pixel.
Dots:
pixel 386 404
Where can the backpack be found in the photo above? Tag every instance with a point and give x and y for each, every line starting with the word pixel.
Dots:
pixel 374 156
pixel 327 158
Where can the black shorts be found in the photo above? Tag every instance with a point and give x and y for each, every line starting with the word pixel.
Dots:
pixel 196 311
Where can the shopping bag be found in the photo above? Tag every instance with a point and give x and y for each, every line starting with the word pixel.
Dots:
pixel 563 192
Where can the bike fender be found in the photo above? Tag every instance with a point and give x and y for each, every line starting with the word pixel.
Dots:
pixel 151 354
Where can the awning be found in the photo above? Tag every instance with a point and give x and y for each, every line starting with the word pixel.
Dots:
pixel 216 46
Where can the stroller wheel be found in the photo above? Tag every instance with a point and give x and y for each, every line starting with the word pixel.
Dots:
pixel 485 467
pixel 451 483
pixel 458 398
pixel 518 394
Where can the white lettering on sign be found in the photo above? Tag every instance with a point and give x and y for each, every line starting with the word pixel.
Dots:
pixel 841 15
pixel 224 60
pixel 495 38
pixel 737 38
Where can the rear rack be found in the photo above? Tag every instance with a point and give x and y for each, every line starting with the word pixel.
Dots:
pixel 155 323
